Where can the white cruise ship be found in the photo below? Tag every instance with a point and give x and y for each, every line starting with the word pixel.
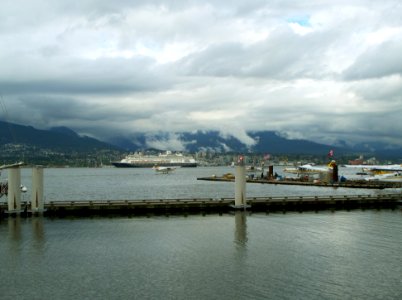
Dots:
pixel 167 159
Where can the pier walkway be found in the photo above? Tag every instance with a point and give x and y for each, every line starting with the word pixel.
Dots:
pixel 207 205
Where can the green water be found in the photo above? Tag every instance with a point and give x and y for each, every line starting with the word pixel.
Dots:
pixel 339 255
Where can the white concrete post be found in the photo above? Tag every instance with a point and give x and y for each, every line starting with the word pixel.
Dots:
pixel 37 203
pixel 14 189
pixel 240 184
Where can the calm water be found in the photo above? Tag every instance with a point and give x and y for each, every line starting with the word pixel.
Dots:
pixel 128 184
pixel 340 255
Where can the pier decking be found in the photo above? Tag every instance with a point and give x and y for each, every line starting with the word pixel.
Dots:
pixel 206 205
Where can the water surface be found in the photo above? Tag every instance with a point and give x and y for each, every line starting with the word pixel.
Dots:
pixel 138 184
pixel 341 255
pixel 326 255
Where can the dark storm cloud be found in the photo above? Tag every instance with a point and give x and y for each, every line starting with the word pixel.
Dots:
pixel 71 87
pixel 284 55
pixel 82 76
pixel 380 61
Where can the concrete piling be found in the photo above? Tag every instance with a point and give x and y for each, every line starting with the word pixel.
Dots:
pixel 240 184
pixel 14 190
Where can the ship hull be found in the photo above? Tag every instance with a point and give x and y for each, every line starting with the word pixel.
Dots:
pixel 150 165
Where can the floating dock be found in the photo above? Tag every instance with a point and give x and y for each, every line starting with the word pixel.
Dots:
pixel 209 205
pixel 358 184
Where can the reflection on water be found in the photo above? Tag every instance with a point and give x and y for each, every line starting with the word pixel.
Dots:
pixel 354 255
pixel 38 233
pixel 323 255
pixel 14 243
pixel 240 228
pixel 14 230
pixel 240 257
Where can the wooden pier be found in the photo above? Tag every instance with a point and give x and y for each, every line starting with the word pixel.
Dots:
pixel 209 205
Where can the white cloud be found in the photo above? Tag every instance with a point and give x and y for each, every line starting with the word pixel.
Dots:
pixel 319 70
pixel 170 141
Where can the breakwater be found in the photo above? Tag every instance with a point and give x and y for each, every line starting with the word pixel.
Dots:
pixel 210 205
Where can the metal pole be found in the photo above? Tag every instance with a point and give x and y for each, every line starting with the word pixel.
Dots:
pixel 37 203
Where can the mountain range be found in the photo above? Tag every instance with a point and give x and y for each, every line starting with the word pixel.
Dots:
pixel 58 138
pixel 264 142
pixel 214 141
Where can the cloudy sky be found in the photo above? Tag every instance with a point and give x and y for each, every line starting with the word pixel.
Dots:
pixel 320 70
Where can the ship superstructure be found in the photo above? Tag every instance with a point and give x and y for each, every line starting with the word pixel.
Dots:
pixel 167 159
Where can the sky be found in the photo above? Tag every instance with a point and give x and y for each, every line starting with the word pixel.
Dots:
pixel 325 71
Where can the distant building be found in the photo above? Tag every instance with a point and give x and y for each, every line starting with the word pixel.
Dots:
pixel 361 161
pixel 357 161
pixel 371 161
